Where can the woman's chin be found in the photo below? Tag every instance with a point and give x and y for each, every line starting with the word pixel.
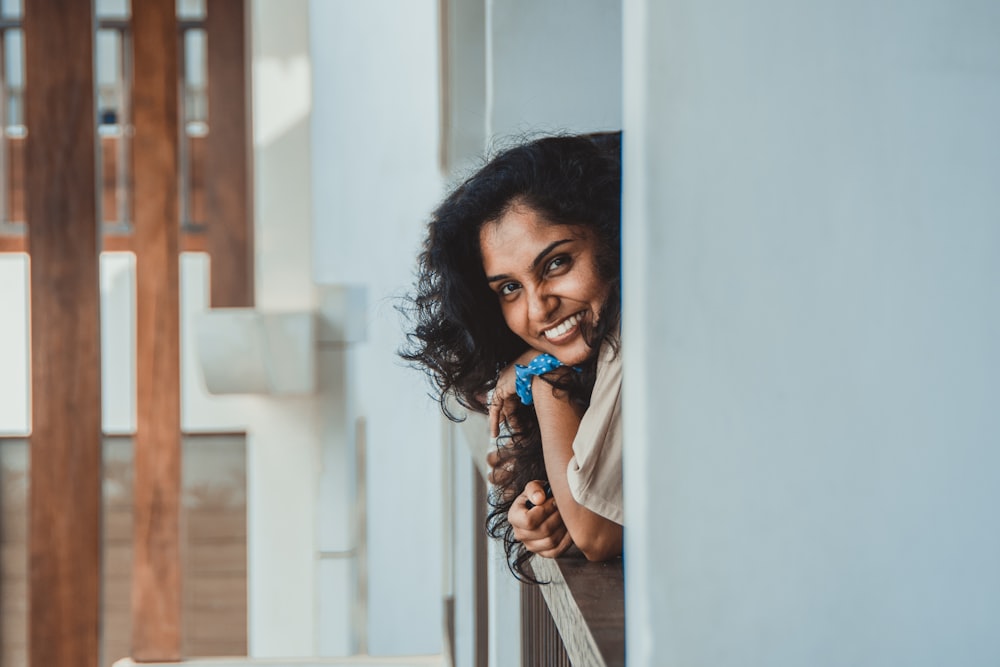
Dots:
pixel 573 354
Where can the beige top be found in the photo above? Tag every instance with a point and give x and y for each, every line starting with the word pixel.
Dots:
pixel 595 471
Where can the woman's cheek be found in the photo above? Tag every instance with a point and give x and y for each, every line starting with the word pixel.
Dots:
pixel 509 316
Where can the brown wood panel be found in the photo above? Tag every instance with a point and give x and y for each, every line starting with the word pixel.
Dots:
pixel 195 157
pixel 14 162
pixel 209 525
pixel 13 244
pixel 61 203
pixel 227 155
pixel 156 571
pixel 109 179
pixel 540 640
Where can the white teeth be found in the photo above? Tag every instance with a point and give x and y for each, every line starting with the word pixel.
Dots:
pixel 563 326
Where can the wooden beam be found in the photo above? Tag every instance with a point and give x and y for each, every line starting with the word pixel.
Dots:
pixel 63 239
pixel 227 155
pixel 13 244
pixel 156 573
pixel 190 242
pixel 14 175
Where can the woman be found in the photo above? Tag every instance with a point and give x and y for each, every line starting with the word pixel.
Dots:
pixel 518 298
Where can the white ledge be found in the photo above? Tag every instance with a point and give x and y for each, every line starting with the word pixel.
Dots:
pixel 247 351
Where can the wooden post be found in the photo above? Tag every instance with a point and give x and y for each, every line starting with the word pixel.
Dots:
pixel 227 155
pixel 156 574
pixel 63 241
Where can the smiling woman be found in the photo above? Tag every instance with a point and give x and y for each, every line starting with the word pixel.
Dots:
pixel 547 279
pixel 518 300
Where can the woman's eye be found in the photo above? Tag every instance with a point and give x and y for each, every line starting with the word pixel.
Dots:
pixel 507 289
pixel 557 263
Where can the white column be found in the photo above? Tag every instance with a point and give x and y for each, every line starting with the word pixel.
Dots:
pixel 812 258
pixel 375 157
pixel 340 541
pixel 285 434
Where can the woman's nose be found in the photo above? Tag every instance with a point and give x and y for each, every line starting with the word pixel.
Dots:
pixel 541 305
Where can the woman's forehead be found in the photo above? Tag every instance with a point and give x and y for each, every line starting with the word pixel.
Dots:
pixel 521 222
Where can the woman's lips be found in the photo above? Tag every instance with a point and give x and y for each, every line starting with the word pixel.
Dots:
pixel 563 327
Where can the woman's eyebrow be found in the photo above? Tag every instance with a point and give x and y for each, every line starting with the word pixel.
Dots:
pixel 534 264
pixel 549 248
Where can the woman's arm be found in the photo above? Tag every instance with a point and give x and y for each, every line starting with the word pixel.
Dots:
pixel 559 420
pixel 546 529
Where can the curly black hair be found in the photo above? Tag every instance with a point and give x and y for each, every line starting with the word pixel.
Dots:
pixel 458 335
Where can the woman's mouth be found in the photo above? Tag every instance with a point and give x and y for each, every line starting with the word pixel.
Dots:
pixel 563 327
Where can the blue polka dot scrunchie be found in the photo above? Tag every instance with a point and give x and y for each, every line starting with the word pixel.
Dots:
pixel 540 365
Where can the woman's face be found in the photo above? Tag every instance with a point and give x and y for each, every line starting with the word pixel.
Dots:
pixel 545 276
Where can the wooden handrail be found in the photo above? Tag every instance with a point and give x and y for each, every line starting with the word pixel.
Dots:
pixel 587 603
pixel 585 600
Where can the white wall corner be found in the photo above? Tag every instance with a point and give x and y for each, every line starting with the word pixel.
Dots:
pixel 342 316
pixel 244 351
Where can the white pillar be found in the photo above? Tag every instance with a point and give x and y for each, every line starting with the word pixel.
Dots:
pixel 375 158
pixel 812 258
pixel 284 434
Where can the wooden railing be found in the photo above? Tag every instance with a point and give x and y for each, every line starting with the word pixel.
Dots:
pixel 151 186
pixel 586 604
pixel 576 618
pixel 116 184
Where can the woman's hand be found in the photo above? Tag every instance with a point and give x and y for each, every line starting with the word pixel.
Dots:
pixel 540 528
pixel 504 397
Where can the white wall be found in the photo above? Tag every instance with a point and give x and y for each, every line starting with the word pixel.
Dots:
pixel 812 256
pixel 375 178
pixel 14 417
pixel 553 66
pixel 464 71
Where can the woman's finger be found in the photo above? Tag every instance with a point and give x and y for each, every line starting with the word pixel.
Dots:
pixel 524 520
pixel 559 549
pixel 493 458
pixel 494 406
pixel 499 412
pixel 535 491
pixel 549 526
pixel 547 546
pixel 552 540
